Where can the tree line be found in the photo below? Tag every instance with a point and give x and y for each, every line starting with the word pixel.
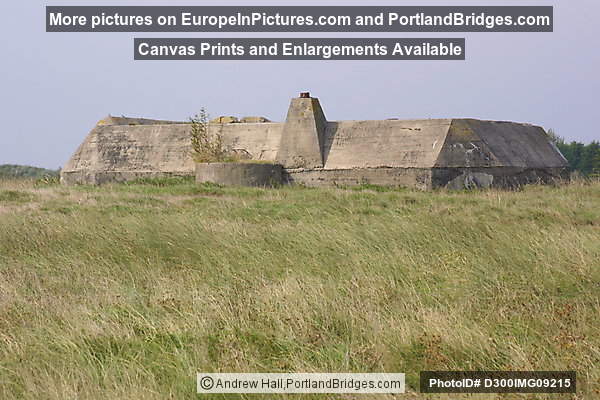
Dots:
pixel 584 158
pixel 25 171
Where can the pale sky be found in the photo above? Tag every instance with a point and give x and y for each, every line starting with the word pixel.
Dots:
pixel 56 86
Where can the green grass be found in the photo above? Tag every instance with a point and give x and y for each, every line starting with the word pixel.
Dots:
pixel 126 291
pixel 15 196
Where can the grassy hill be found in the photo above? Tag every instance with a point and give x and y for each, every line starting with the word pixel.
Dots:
pixel 127 291
pixel 24 171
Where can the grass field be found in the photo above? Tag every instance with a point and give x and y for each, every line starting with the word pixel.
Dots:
pixel 126 291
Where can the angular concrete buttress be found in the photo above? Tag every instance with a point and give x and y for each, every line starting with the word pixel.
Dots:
pixel 303 135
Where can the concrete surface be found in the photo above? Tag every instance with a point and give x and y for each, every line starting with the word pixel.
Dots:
pixel 303 135
pixel 117 152
pixel 254 120
pixel 412 177
pixel 224 120
pixel 240 174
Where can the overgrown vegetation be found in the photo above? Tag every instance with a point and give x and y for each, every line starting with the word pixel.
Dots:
pixel 207 148
pixel 126 291
pixel 584 158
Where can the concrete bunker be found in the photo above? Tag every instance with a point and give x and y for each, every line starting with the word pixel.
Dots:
pixel 426 154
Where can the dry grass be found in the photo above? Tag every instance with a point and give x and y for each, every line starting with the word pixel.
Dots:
pixel 127 291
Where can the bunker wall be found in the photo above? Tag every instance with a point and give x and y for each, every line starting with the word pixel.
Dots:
pixel 388 143
pixel 408 177
pixel 259 140
pixel 474 143
pixel 418 153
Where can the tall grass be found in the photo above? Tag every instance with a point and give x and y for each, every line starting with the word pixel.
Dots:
pixel 127 291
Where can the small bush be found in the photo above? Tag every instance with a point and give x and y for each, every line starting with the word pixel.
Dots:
pixel 47 180
pixel 208 148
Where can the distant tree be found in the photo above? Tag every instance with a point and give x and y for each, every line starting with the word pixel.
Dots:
pixel 25 171
pixel 577 149
pixel 591 158
pixel 583 158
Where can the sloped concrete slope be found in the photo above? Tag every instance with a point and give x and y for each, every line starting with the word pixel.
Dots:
pixel 496 154
pixel 121 149
pixel 475 143
pixel 124 152
pixel 389 143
